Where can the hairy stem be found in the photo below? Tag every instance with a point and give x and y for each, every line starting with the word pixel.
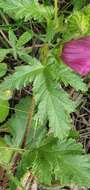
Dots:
pixel 56 8
pixel 17 157
pixel 5 37
pixel 4 17
pixel 29 123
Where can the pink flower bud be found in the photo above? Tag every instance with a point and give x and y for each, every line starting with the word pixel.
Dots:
pixel 76 54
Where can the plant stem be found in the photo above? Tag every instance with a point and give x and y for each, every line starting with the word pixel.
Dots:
pixel 5 37
pixel 17 157
pixel 12 148
pixel 56 8
pixel 3 42
pixel 4 17
pixel 32 106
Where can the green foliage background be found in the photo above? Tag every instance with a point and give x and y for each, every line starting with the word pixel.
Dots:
pixel 34 43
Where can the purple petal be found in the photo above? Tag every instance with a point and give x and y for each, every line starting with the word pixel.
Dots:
pixel 76 54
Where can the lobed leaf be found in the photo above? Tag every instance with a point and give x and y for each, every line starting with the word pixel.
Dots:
pixel 62 160
pixel 23 75
pixel 54 104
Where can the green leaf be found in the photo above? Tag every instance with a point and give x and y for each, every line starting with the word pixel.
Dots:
pixel 54 104
pixel 3 69
pixel 74 134
pixel 54 27
pixel 69 77
pixel 77 25
pixel 60 159
pixel 4 110
pixel 12 38
pixel 73 170
pixel 13 41
pixel 5 94
pixel 78 4
pixel 5 152
pixel 22 76
pixel 24 38
pixel 25 56
pixel 19 120
pixel 3 53
pixel 27 9
pixel 50 30
pixel 62 72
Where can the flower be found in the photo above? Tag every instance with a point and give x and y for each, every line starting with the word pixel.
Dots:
pixel 76 54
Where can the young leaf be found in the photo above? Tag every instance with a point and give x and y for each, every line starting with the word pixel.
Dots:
pixel 77 25
pixel 13 41
pixel 24 38
pixel 12 38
